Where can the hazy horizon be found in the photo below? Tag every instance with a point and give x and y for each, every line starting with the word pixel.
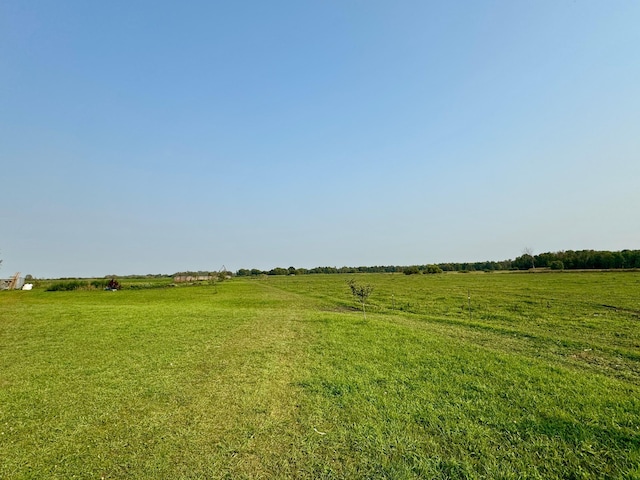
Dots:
pixel 162 137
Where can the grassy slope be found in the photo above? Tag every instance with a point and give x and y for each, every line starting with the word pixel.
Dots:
pixel 280 378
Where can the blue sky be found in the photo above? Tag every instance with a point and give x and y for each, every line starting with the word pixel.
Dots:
pixel 155 137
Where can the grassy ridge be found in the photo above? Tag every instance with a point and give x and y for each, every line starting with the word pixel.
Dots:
pixel 280 377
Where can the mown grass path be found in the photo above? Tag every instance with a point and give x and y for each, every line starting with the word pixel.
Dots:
pixel 282 378
pixel 149 384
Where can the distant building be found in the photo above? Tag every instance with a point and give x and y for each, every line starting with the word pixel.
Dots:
pixel 14 283
pixel 184 278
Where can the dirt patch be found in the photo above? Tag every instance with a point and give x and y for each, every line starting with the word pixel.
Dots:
pixel 625 310
pixel 342 309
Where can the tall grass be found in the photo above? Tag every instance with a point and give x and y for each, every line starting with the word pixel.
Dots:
pixel 69 285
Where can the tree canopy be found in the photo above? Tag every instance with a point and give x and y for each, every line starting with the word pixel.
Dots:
pixel 562 260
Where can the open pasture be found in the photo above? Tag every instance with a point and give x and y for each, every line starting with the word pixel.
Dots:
pixel 450 376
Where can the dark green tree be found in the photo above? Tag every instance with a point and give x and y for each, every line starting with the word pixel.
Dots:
pixel 433 269
pixel 527 252
pixel 278 271
pixel 411 270
pixel 556 265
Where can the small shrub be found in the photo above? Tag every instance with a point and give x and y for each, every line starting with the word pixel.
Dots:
pixel 68 286
pixel 361 293
pixel 411 270
pixel 556 265
pixel 99 284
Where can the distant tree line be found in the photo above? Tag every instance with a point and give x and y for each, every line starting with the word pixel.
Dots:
pixel 563 260
pixel 580 260
pixel 243 272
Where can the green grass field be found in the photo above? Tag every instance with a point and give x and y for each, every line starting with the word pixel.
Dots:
pixel 281 377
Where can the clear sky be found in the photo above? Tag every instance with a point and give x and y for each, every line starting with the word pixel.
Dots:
pixel 161 136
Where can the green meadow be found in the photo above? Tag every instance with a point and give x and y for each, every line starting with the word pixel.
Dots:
pixel 493 376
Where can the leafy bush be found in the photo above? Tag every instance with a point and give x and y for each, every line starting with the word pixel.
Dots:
pixel 68 286
pixel 411 270
pixel 99 284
